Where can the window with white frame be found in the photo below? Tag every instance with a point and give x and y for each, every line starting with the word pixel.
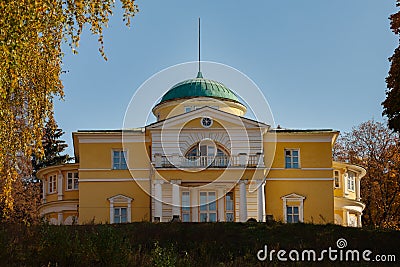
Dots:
pixel 293 205
pixel 208 207
pixel 351 176
pixel 120 209
pixel 119 160
pixel 52 184
pixel 292 214
pixel 229 207
pixel 120 215
pixel 72 181
pixel 190 108
pixel 185 206
pixel 292 157
pixel 336 176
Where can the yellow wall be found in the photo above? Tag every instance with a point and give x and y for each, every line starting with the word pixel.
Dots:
pixel 312 154
pixel 94 205
pixel 318 203
pixel 176 107
pixel 99 155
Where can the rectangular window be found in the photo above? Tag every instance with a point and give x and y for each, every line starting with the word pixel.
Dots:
pixel 351 176
pixel 337 179
pixel 291 158
pixel 120 215
pixel 72 181
pixel 229 210
pixel 292 214
pixel 52 184
pixel 208 207
pixel 119 160
pixel 188 109
pixel 186 206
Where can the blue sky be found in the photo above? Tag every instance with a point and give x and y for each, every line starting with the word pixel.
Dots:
pixel 320 64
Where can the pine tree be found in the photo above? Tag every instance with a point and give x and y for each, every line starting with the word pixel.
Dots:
pixel 52 148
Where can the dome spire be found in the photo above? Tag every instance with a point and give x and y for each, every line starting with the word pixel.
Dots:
pixel 199 74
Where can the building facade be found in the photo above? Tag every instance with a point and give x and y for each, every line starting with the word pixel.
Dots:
pixel 203 160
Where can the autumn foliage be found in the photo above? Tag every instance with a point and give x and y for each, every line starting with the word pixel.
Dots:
pixel 376 148
pixel 31 35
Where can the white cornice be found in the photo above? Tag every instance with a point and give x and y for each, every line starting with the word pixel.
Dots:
pixel 299 179
pixel 113 179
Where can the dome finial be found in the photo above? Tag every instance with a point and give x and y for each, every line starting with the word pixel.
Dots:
pixel 199 74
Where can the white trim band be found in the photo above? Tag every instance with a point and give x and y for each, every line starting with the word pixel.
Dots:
pixel 299 179
pixel 113 179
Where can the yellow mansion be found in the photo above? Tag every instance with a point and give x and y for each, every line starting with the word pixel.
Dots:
pixel 203 160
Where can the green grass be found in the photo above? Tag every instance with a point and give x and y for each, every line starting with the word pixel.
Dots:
pixel 181 244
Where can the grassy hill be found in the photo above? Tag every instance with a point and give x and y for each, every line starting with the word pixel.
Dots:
pixel 192 244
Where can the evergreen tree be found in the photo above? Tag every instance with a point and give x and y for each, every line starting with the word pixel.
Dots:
pixel 391 105
pixel 52 148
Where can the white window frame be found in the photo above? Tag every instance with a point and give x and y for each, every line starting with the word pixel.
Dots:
pixel 52 182
pixel 185 207
pixel 120 201
pixel 232 211
pixel 291 158
pixel 125 152
pixel 207 205
pixel 336 177
pixel 292 214
pixel 74 181
pixel 120 216
pixel 351 181
pixel 293 198
pixel 191 108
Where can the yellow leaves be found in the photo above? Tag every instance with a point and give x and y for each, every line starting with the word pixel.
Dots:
pixel 31 34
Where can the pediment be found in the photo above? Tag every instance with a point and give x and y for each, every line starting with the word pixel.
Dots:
pixel 222 120
pixel 293 196
pixel 120 199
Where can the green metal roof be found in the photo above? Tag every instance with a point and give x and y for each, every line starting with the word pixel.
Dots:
pixel 199 87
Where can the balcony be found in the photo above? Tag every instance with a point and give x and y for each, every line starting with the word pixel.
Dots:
pixel 240 160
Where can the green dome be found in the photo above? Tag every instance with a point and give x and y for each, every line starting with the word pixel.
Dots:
pixel 199 87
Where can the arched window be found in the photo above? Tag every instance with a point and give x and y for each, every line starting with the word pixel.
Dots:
pixel 208 153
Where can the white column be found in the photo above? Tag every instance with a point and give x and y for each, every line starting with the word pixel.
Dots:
pixel 60 186
pixel 261 202
pixel 359 223
pixel 60 218
pixel 242 201
pixel 358 188
pixel 346 218
pixel 176 199
pixel 129 210
pixel 158 199
pixel 44 183
pixel 111 210
pixel 194 194
pixel 284 210
pixel 220 204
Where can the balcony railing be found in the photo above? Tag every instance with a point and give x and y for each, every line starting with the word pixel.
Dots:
pixel 176 161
